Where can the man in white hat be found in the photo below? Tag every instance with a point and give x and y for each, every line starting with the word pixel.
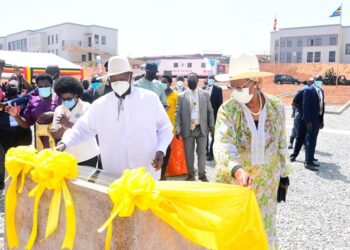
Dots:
pixel 131 123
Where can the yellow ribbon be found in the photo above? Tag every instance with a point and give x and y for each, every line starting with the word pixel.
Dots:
pixel 18 161
pixel 52 172
pixel 135 188
pixel 212 215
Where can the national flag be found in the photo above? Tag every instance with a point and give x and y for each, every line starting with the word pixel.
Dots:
pixel 275 24
pixel 338 12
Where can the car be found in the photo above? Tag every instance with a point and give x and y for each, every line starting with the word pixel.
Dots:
pixel 286 79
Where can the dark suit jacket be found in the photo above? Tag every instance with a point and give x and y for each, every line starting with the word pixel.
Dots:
pixel 90 95
pixel 216 99
pixel 311 106
pixel 298 102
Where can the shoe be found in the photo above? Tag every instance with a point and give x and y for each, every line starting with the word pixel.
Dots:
pixel 210 158
pixel 292 158
pixel 163 178
pixel 310 167
pixel 190 178
pixel 203 178
pixel 315 159
pixel 290 146
pixel 315 164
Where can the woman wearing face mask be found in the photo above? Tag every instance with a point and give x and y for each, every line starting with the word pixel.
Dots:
pixel 180 81
pixel 69 90
pixel 171 98
pixel 250 141
pixel 39 112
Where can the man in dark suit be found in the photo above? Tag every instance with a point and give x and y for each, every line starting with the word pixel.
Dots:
pixel 216 99
pixel 96 89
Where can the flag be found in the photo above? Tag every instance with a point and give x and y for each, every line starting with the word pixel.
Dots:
pixel 275 24
pixel 338 12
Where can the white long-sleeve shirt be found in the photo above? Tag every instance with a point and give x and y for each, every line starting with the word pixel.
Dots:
pixel 130 140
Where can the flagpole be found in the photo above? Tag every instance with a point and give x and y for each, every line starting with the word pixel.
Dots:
pixel 341 13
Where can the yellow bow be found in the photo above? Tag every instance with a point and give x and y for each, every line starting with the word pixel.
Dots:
pixel 18 161
pixel 52 172
pixel 135 188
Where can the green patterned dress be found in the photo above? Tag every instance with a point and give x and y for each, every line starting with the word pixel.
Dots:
pixel 262 152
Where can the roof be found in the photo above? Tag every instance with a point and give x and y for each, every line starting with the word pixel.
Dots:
pixel 35 60
pixel 316 26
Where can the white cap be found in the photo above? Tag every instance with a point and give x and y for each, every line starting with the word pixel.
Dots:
pixel 118 65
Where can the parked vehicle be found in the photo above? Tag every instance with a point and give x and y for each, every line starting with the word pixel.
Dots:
pixel 343 81
pixel 286 79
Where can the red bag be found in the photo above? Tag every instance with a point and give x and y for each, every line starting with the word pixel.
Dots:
pixel 177 160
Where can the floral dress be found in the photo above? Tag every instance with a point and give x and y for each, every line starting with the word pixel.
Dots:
pixel 261 151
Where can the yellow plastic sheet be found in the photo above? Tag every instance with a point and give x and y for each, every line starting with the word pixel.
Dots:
pixel 215 216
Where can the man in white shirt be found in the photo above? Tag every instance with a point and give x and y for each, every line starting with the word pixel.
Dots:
pixel 131 123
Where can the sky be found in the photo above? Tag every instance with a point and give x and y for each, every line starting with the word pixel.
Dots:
pixel 165 27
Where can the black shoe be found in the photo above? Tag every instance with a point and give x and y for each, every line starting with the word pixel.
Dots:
pixel 210 158
pixel 190 178
pixel 310 167
pixel 163 178
pixel 292 158
pixel 315 164
pixel 203 178
pixel 315 159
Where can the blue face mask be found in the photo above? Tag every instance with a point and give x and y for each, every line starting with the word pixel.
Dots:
pixel 306 86
pixel 45 92
pixel 211 82
pixel 95 85
pixel 69 103
pixel 318 84
pixel 164 86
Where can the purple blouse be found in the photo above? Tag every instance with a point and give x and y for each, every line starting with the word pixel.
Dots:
pixel 36 106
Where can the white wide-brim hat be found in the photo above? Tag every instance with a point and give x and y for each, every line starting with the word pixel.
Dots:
pixel 118 65
pixel 245 66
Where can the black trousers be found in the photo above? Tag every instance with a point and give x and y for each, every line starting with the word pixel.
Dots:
pixel 90 163
pixel 311 141
pixel 165 162
pixel 300 139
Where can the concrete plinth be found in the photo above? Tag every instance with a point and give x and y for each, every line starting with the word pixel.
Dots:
pixel 92 205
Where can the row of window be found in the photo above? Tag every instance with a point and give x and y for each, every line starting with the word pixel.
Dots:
pixel 97 40
pixel 51 39
pixel 311 41
pixel 53 51
pixel 316 57
pixel 18 45
pixel 189 65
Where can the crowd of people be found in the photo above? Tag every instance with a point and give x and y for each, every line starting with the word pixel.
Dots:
pixel 127 122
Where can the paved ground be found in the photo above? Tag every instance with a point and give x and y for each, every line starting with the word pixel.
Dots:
pixel 316 215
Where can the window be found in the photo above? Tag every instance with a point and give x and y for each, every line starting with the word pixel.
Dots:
pixel 62 43
pixel 56 38
pixel 282 59
pixel 56 51
pixel 333 40
pixel 176 65
pixel 103 40
pixel 276 58
pixel 317 57
pixel 89 41
pixel 189 65
pixel 277 43
pixel 331 56
pixel 289 57
pixel 48 40
pixel 347 49
pixel 97 40
pixel 318 41
pixel 203 64
pixel 52 39
pixel 289 43
pixel 0 46
pixel 83 58
pixel 90 57
pixel 283 43
pixel 310 42
pixel 299 57
pixel 300 43
pixel 48 51
pixel 53 51
pixel 310 57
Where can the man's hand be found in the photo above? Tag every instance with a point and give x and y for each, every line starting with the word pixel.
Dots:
pixel 13 110
pixel 178 136
pixel 243 178
pixel 211 131
pixel 309 126
pixel 64 121
pixel 60 147
pixel 45 118
pixel 158 160
pixel 322 126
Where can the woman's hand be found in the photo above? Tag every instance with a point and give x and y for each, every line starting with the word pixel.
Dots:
pixel 64 121
pixel 243 178
pixel 13 110
pixel 45 118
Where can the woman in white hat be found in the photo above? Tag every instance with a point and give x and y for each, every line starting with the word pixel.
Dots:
pixel 250 139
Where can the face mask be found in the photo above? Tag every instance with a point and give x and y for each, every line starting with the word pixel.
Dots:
pixel 120 87
pixel 95 85
pixel 192 84
pixel 45 92
pixel 69 103
pixel 242 95
pixel 180 83
pixel 305 87
pixel 318 84
pixel 211 82
pixel 164 86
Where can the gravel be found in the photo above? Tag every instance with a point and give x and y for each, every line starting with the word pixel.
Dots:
pixel 317 212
